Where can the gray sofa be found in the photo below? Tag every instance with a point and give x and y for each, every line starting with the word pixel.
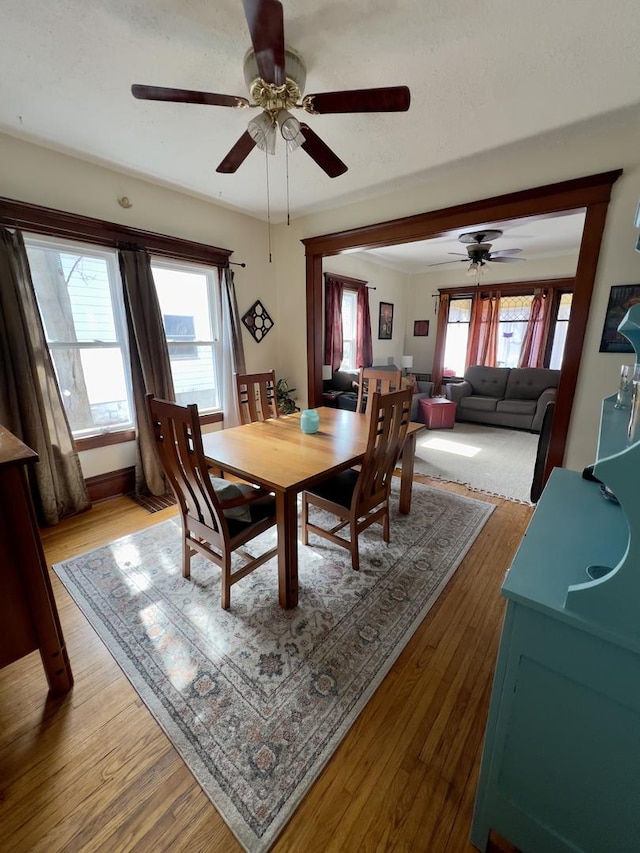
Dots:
pixel 503 396
pixel 345 381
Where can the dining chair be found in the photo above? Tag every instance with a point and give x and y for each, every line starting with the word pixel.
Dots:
pixel 361 497
pixel 257 398
pixel 373 379
pixel 218 517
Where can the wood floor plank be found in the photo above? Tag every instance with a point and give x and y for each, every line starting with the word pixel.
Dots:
pixel 95 772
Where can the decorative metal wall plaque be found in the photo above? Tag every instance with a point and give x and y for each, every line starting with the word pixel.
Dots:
pixel 257 320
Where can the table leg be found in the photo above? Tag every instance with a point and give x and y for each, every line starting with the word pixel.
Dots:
pixel 287 521
pixel 406 481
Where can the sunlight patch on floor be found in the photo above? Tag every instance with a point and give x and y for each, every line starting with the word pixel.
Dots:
pixel 456 447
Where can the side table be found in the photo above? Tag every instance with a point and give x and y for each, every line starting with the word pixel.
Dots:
pixel 437 413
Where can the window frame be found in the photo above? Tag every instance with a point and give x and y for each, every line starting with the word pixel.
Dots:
pixel 60 224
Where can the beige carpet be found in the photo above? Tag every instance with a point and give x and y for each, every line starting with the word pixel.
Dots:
pixel 256 699
pixel 493 460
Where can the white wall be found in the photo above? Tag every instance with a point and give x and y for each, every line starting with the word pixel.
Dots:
pixel 574 153
pixel 33 174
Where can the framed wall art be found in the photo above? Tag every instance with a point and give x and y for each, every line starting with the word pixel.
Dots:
pixel 420 328
pixel 621 298
pixel 385 321
pixel 257 320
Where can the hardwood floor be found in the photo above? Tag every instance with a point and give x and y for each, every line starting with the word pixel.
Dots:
pixel 94 772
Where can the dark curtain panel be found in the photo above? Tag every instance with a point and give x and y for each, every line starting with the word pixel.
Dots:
pixel 333 323
pixel 30 403
pixel 532 349
pixel 150 366
pixel 232 348
pixel 441 335
pixel 364 346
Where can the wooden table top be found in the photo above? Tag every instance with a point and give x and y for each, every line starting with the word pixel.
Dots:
pixel 276 453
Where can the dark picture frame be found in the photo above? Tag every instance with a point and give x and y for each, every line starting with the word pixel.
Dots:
pixel 420 328
pixel 621 298
pixel 385 321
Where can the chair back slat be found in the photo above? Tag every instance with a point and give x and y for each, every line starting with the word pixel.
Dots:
pixel 388 424
pixel 371 380
pixel 257 399
pixel 179 444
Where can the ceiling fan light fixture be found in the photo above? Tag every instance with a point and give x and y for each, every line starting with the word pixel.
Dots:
pixel 263 132
pixel 473 269
pixel 290 130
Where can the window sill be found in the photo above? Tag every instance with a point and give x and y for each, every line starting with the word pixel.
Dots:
pixel 104 439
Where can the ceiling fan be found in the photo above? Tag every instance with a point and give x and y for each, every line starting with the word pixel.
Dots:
pixel 276 76
pixel 479 251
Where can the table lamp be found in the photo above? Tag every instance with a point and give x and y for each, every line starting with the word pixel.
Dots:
pixel 407 363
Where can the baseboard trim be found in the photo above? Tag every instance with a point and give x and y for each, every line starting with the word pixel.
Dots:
pixel 111 484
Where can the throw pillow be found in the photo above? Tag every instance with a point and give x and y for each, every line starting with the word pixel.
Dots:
pixel 227 491
pixel 410 381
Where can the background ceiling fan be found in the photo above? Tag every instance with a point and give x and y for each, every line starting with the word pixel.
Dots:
pixel 276 77
pixel 479 251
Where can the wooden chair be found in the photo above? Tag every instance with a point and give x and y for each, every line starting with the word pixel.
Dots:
pixel 372 379
pixel 218 517
pixel 360 498
pixel 257 399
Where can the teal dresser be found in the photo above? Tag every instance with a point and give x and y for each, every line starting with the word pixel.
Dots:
pixel 561 762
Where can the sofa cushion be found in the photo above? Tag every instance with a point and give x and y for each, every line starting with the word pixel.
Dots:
pixel 479 404
pixel 527 383
pixel 342 380
pixel 517 407
pixel 487 381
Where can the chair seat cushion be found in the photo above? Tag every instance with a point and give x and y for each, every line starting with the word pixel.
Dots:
pixel 338 489
pixel 227 491
pixel 261 508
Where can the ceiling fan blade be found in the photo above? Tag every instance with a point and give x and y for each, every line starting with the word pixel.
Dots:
pixel 442 263
pixel 392 99
pixel 237 155
pixel 186 96
pixel 321 153
pixel 265 19
pixel 504 252
pixel 460 254
pixel 494 260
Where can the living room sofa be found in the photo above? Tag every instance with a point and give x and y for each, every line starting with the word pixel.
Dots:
pixel 345 381
pixel 502 396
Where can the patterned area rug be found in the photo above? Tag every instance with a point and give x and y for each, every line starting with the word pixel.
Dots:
pixel 256 699
pixel 493 460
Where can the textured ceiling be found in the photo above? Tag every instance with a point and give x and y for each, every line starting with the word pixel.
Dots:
pixel 481 75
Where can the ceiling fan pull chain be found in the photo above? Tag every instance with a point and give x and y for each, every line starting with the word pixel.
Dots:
pixel 286 149
pixel 266 160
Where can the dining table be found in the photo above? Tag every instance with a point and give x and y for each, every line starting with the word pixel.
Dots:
pixel 277 455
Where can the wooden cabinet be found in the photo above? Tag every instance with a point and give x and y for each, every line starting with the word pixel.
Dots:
pixel 28 615
pixel 561 762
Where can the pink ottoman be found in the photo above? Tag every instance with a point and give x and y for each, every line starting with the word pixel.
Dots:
pixel 437 413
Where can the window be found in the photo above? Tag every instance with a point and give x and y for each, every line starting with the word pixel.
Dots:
pixel 455 351
pixel 79 296
pixel 186 294
pixel 514 316
pixel 349 329
pixel 560 331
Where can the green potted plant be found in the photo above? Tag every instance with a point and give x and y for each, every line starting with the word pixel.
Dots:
pixel 285 402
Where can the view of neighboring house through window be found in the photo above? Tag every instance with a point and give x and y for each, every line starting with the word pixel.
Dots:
pixel 455 351
pixel 349 329
pixel 186 294
pixel 79 295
